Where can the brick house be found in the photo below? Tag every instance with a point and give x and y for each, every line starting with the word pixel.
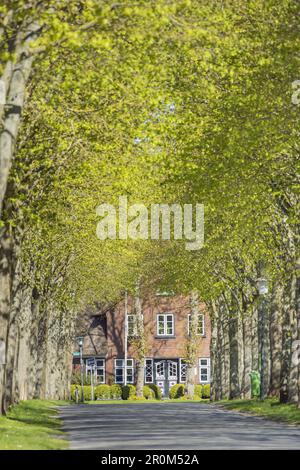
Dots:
pixel 166 327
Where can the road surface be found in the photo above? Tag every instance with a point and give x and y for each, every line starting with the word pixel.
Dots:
pixel 172 426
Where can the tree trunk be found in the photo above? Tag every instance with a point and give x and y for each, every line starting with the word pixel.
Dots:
pixel 191 347
pixel 140 345
pixel 275 339
pixel 16 81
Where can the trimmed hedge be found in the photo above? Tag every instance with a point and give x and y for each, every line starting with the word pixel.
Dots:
pixel 206 391
pixel 103 392
pixel 116 391
pixel 157 391
pixel 128 391
pixel 176 391
pixel 198 390
pixel 148 393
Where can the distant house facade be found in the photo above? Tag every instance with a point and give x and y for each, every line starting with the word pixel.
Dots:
pixel 166 329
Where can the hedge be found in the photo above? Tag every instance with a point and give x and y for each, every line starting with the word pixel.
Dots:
pixel 157 391
pixel 198 390
pixel 148 393
pixel 116 391
pixel 176 391
pixel 128 391
pixel 206 391
pixel 103 392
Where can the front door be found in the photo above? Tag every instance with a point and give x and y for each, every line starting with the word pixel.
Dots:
pixel 166 375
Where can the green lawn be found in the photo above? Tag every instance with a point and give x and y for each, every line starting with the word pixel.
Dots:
pixel 270 409
pixel 32 424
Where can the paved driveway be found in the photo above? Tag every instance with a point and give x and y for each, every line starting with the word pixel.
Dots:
pixel 172 426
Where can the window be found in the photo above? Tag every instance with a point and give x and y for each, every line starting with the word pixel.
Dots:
pixel 95 366
pixel 149 371
pixel 132 325
pixel 204 370
pixel 165 324
pixel 119 371
pixel 183 367
pixel 200 324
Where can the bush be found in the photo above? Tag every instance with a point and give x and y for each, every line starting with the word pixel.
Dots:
pixel 128 391
pixel 103 392
pixel 206 391
pixel 116 391
pixel 148 392
pixel 136 398
pixel 176 391
pixel 87 392
pixel 157 391
pixel 198 391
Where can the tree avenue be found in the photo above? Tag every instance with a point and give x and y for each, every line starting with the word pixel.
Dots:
pixel 162 102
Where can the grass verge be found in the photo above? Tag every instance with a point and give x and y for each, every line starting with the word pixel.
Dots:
pixel 269 408
pixel 32 424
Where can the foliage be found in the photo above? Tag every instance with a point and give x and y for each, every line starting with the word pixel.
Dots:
pixel 176 391
pixel 148 392
pixel 116 391
pixel 206 391
pixel 198 390
pixel 128 392
pixel 103 392
pixel 157 391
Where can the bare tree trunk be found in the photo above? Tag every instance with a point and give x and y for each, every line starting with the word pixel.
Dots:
pixel 191 347
pixel 247 357
pixel 5 301
pixel 16 78
pixel 286 346
pixel 275 339
pixel 140 345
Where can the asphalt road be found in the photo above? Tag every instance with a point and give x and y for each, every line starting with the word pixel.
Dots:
pixel 172 426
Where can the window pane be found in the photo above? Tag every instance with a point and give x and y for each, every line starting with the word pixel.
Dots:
pixel 119 362
pixel 203 362
pixel 161 325
pixel 130 362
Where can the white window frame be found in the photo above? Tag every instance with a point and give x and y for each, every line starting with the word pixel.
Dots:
pixel 93 368
pixel 165 315
pixel 181 363
pixel 150 361
pixel 206 368
pixel 129 367
pixel 200 316
pixel 135 329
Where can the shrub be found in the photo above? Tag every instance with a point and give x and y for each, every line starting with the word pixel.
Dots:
pixel 116 391
pixel 103 392
pixel 206 391
pixel 87 392
pixel 157 391
pixel 148 392
pixel 136 398
pixel 198 391
pixel 176 391
pixel 128 391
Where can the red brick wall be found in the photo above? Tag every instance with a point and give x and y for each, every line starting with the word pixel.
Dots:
pixel 157 347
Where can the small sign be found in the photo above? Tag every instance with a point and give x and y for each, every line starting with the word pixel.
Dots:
pixel 76 353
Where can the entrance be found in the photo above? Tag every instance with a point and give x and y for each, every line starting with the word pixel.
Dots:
pixel 166 374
